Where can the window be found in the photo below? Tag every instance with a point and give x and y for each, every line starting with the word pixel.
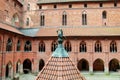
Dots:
pixel 68 46
pixel 27 46
pixel 64 19
pixel 113 46
pixel 104 15
pixel 40 7
pixel 15 19
pixel 28 7
pixel 83 47
pixel 18 45
pixel 84 18
pixel 115 3
pixel 9 45
pixel 85 5
pixel 55 6
pixel 101 4
pixel 42 19
pixel 54 46
pixel 41 46
pixel 98 47
pixel 14 4
pixel 27 22
pixel 70 5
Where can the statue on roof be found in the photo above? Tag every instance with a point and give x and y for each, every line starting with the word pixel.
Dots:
pixel 60 36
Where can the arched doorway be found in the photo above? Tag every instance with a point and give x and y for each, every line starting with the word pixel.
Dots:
pixel 83 65
pixel 41 64
pixel 114 65
pixel 98 65
pixel 27 66
pixel 8 70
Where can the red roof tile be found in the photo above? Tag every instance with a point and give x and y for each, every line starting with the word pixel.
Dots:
pixel 59 68
pixel 9 28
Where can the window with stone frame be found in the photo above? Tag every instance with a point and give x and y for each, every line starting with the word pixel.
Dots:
pixel 28 7
pixel 9 45
pixel 42 19
pixel 54 46
pixel 64 18
pixel 18 45
pixel 113 46
pixel 98 46
pixel 68 47
pixel 104 15
pixel 41 46
pixel 83 47
pixel 84 18
pixel 27 46
pixel 27 22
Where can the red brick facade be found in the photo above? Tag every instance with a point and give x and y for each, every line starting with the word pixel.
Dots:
pixel 104 57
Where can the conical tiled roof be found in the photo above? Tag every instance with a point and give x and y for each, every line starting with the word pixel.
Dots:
pixel 59 66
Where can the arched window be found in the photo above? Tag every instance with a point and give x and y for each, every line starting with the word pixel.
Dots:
pixel 98 46
pixel 27 46
pixel 9 45
pixel 54 46
pixel 68 46
pixel 41 46
pixel 27 22
pixel 64 18
pixel 83 47
pixel 84 18
pixel 104 15
pixel 15 20
pixel 18 45
pixel 42 19
pixel 113 46
pixel 28 7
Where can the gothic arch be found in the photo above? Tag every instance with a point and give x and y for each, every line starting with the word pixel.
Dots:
pixel 28 46
pixel 114 65
pixel 9 44
pixel 83 47
pixel 83 65
pixel 27 66
pixel 54 45
pixel 98 65
pixel 68 46
pixel 41 46
pixel 41 64
pixel 8 71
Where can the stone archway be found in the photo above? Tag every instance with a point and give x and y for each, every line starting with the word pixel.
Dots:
pixel 27 66
pixel 98 65
pixel 83 65
pixel 41 64
pixel 114 65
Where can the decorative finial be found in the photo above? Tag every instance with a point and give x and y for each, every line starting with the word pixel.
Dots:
pixel 60 36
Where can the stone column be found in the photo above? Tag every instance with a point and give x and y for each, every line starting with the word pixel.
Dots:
pixel 21 68
pixel 106 70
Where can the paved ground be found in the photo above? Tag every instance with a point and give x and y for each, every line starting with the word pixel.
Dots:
pixel 96 76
